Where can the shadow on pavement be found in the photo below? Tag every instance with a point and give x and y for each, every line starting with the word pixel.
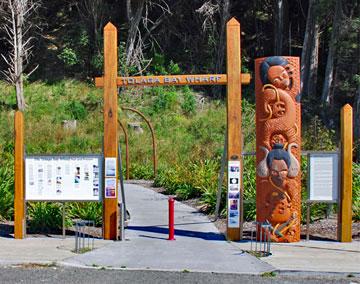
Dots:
pixel 210 236
pixel 6 231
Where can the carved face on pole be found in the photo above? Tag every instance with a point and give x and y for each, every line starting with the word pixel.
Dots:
pixel 279 77
pixel 278 171
pixel 278 164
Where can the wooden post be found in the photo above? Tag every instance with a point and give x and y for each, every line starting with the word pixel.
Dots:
pixel 19 198
pixel 110 205
pixel 345 210
pixel 233 70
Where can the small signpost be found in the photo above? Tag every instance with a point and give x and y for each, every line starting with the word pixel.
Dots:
pixel 323 177
pixel 323 181
pixel 233 79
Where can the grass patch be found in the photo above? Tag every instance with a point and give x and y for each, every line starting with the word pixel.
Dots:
pixel 269 274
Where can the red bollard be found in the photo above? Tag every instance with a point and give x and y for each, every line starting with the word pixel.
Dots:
pixel 171 219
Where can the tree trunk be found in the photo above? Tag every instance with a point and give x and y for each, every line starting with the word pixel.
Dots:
pixel 314 63
pixel 306 50
pixel 220 53
pixel 134 21
pixel 224 16
pixel 19 86
pixel 329 71
pixel 279 27
pixel 16 24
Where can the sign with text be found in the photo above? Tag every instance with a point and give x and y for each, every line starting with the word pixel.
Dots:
pixel 233 194
pixel 63 178
pixel 323 176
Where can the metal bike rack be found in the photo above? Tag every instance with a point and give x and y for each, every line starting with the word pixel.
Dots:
pixel 83 240
pixel 260 239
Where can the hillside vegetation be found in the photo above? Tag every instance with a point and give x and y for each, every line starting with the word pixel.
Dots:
pixel 189 128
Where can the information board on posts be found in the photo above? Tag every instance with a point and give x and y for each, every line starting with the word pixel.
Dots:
pixel 63 178
pixel 323 176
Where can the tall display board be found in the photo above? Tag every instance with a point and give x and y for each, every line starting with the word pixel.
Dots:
pixel 63 178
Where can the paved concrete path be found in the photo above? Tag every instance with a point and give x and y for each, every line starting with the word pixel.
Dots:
pixel 40 250
pixel 198 245
pixel 314 256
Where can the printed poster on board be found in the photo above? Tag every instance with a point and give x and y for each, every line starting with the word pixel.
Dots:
pixel 110 187
pixel 110 167
pixel 233 196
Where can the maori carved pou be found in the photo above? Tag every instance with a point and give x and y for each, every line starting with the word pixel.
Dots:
pixel 278 180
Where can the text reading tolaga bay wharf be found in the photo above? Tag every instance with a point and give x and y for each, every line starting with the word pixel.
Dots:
pixel 169 80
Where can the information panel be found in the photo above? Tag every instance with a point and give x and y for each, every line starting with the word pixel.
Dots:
pixel 323 176
pixel 233 194
pixel 63 178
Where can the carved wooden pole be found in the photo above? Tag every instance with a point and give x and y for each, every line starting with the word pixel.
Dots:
pixel 19 198
pixel 278 141
pixel 110 201
pixel 345 212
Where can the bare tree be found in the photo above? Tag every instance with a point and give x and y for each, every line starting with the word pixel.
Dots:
pixel 209 11
pixel 17 25
pixel 137 14
pixel 92 13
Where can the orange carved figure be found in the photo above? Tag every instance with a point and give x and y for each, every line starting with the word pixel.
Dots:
pixel 278 146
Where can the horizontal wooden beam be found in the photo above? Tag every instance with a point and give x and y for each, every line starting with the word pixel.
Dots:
pixel 173 80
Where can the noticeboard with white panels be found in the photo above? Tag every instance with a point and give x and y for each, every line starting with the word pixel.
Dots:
pixel 63 178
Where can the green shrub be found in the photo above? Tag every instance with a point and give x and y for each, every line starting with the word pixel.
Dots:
pixel 159 66
pixel 191 179
pixel 188 105
pixel 77 110
pixel 6 177
pixel 141 171
pixel 249 180
pixel 316 131
pixel 6 192
pixel 186 191
pixel 90 211
pixel 68 56
pixel 356 192
pixel 44 217
pixel 166 100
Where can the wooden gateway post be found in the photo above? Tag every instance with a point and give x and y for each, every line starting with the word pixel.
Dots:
pixel 19 169
pixel 345 210
pixel 233 80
